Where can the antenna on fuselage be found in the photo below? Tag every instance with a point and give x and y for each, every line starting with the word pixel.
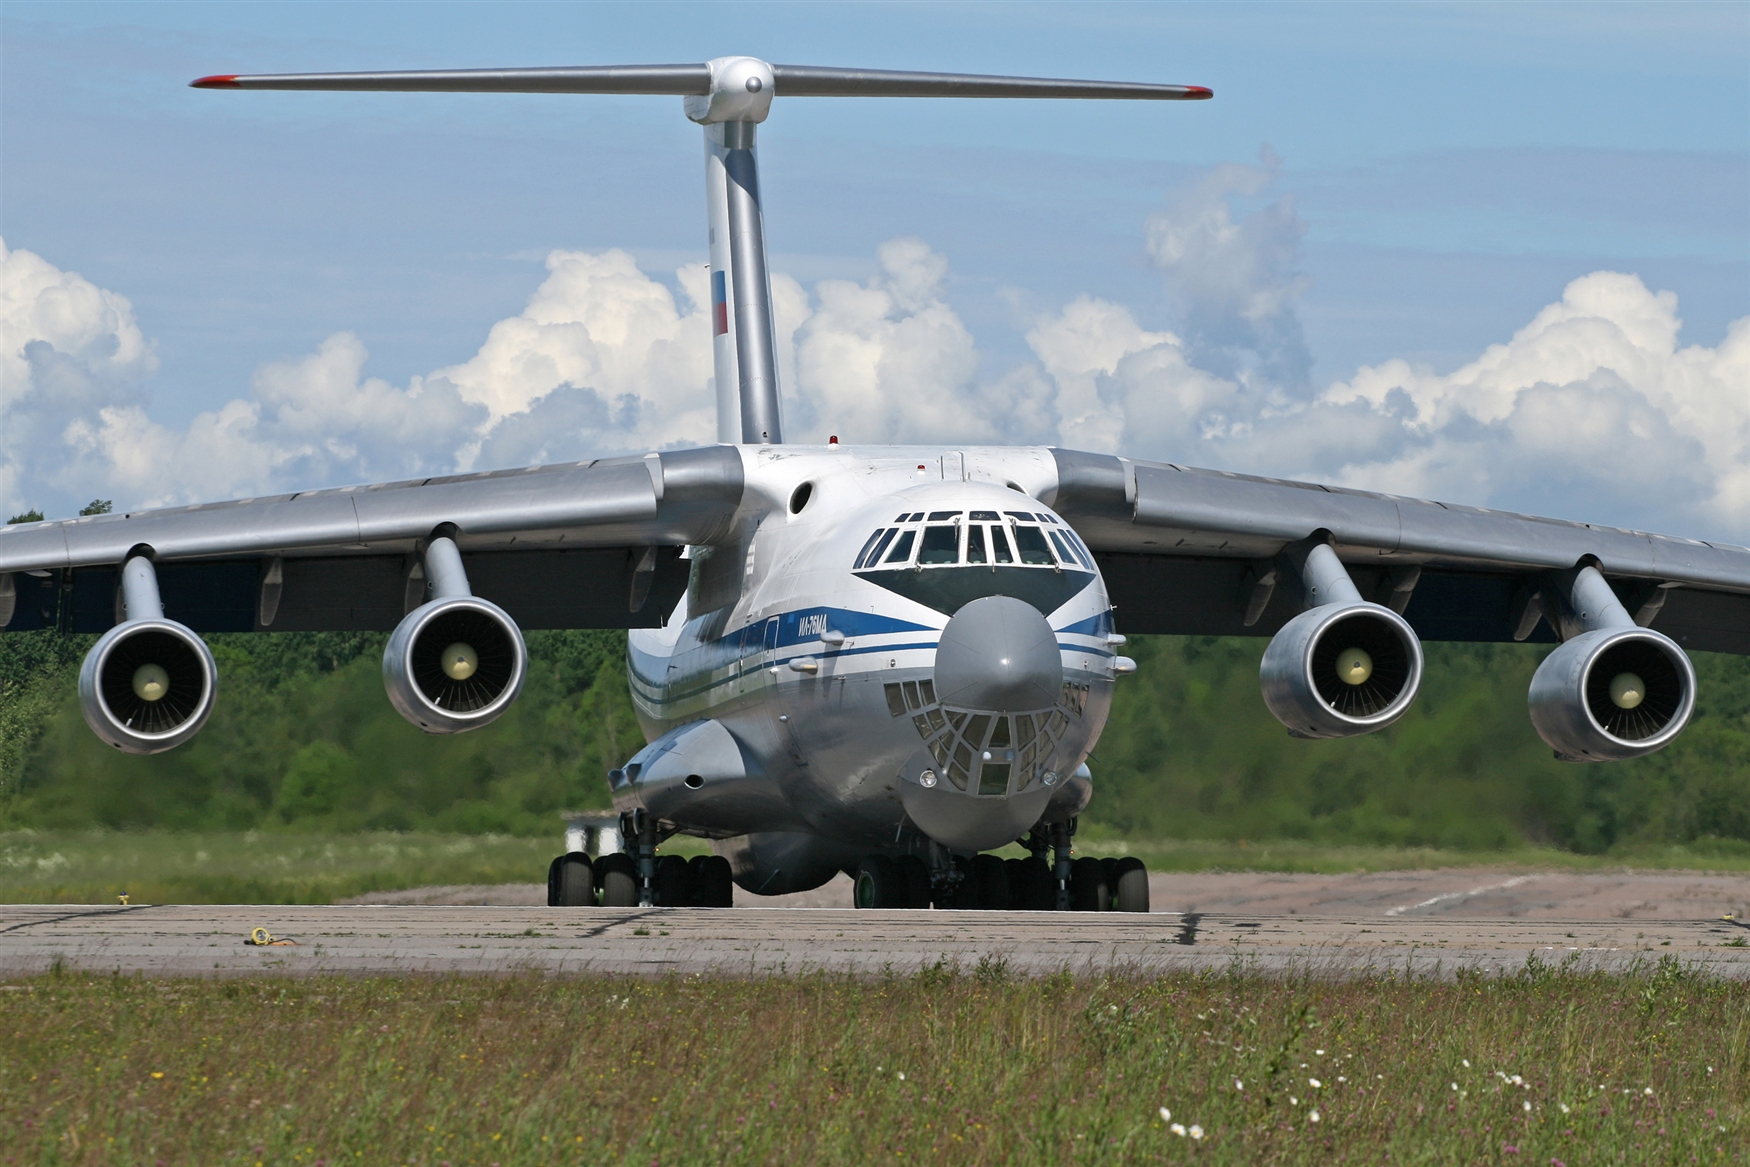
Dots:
pixel 729 97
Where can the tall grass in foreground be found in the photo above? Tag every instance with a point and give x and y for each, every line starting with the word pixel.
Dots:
pixel 945 1066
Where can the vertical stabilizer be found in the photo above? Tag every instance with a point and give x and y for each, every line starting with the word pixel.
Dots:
pixel 744 340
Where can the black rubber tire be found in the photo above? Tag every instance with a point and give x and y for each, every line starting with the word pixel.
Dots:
pixel 1030 885
pixel 571 882
pixel 914 877
pixel 1109 867
pixel 619 876
pixel 877 884
pixel 1130 889
pixel 1087 886
pixel 553 881
pixel 713 885
pixel 674 882
pixel 992 877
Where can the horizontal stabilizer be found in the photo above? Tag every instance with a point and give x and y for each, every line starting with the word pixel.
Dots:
pixel 691 80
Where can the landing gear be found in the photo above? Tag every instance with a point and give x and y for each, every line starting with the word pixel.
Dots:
pixel 1130 888
pixel 878 884
pixel 713 885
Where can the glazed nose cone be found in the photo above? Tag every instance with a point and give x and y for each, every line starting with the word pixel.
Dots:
pixel 998 653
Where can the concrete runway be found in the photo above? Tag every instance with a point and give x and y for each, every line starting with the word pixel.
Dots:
pixel 399 938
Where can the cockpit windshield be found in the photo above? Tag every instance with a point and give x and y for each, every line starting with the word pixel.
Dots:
pixel 974 538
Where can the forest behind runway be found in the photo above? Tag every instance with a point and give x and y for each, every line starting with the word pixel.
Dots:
pixel 303 740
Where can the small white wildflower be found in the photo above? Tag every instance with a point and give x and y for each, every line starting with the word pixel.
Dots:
pixel 1293 1101
pixel 1313 1117
pixel 1381 1077
pixel 1178 1128
pixel 878 1069
pixel 1239 1085
pixel 1565 1108
pixel 1166 1115
pixel 1527 1106
pixel 1319 1052
pixel 1196 1131
pixel 1455 1085
pixel 1314 1083
pixel 1648 1091
pixel 1466 1062
pixel 1710 1069
pixel 902 1075
pixel 1517 1080
pixel 1340 1078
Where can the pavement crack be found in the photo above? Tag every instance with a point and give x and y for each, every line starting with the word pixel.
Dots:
pixel 75 915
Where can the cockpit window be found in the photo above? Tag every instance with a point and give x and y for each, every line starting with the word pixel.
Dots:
pixel 1065 551
pixel 1023 515
pixel 999 546
pixel 864 555
pixel 975 544
pixel 985 516
pixel 941 545
pixel 1030 541
pixel 943 516
pixel 901 552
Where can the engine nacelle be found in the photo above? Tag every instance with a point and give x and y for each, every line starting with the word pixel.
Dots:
pixel 1341 669
pixel 1611 694
pixel 454 664
pixel 147 686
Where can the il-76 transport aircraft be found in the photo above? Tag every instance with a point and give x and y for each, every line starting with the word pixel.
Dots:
pixel 885 660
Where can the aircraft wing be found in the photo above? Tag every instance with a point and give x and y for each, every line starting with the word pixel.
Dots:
pixel 583 545
pixel 1195 552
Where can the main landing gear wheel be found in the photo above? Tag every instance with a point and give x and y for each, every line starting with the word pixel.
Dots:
pixel 618 873
pixel 713 884
pixel 570 882
pixel 914 875
pixel 674 882
pixel 1087 886
pixel 1030 885
pixel 1130 887
pixel 990 878
pixel 878 884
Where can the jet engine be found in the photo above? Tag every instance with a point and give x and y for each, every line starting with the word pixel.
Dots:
pixel 148 684
pixel 1612 692
pixel 1344 666
pixel 456 662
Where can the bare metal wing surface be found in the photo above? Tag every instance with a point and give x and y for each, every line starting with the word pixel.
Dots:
pixel 1194 551
pixel 878 659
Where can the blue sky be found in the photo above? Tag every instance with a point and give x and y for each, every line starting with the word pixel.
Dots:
pixel 1439 173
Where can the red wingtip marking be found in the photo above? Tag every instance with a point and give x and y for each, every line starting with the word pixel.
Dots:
pixel 218 81
pixel 1200 93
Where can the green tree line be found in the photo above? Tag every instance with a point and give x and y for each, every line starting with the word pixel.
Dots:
pixel 303 738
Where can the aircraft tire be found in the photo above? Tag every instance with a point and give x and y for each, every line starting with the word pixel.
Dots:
pixel 1109 868
pixel 991 875
pixel 571 882
pixel 1031 888
pixel 674 882
pixel 914 876
pixel 1130 890
pixel 713 885
pixel 619 876
pixel 878 884
pixel 1087 886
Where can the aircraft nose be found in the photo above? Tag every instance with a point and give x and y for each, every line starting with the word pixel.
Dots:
pixel 998 653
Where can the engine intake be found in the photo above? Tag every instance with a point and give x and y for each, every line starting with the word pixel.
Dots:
pixel 1342 669
pixel 1611 694
pixel 456 662
pixel 148 684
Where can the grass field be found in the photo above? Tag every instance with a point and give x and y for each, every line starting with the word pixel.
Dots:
pixel 163 867
pixel 288 867
pixel 959 1066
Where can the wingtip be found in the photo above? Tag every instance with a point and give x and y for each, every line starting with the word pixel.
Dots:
pixel 217 81
pixel 1199 92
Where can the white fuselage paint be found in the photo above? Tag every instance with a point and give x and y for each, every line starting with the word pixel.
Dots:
pixel 826 746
